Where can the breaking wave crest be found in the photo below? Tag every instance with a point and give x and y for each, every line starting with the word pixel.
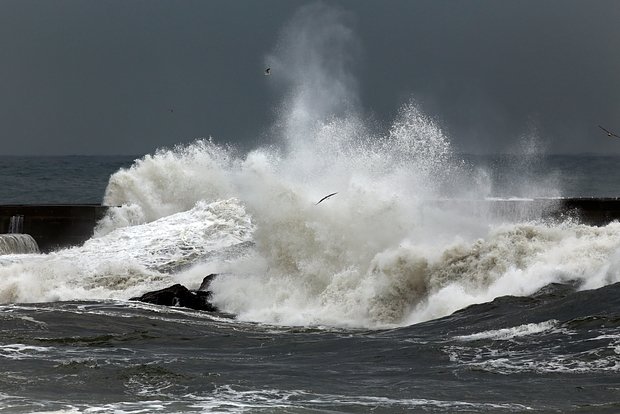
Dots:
pixel 378 253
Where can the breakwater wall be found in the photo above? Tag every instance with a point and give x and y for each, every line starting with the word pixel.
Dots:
pixel 590 211
pixel 52 226
pixel 61 226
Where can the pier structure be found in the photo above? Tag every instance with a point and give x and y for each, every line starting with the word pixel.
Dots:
pixel 590 211
pixel 52 226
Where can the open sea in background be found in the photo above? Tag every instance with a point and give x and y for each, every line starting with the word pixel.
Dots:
pixel 356 305
pixel 57 180
pixel 82 179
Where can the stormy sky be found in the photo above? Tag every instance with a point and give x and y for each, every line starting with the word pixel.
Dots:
pixel 127 77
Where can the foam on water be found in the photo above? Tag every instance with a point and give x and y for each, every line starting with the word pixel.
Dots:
pixel 602 359
pixel 509 333
pixel 231 398
pixel 21 351
pixel 127 261
pixel 227 399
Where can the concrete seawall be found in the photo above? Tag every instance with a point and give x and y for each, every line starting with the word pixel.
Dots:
pixel 54 226
pixel 591 211
pixel 61 226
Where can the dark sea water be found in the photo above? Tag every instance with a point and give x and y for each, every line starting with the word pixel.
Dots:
pixel 323 311
pixel 556 351
pixel 57 180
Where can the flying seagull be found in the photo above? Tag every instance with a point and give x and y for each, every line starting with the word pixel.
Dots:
pixel 609 133
pixel 267 71
pixel 326 197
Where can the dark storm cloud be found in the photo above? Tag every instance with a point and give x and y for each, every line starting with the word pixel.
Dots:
pixel 93 77
pixel 487 69
pixel 101 76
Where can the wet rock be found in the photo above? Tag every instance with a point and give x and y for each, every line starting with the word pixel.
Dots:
pixel 206 282
pixel 179 295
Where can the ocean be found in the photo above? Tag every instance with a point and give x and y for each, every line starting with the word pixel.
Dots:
pixel 374 300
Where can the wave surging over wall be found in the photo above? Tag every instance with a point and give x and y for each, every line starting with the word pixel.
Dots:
pixel 17 244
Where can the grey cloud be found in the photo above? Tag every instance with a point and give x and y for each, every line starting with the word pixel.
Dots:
pixel 99 77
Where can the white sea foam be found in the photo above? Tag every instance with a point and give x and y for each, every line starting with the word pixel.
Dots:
pixel 21 351
pixel 129 260
pixel 228 399
pixel 168 182
pixel 509 333
pixel 540 355
pixel 231 399
pixel 515 362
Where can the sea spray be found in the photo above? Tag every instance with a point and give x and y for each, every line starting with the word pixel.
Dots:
pixel 313 64
pixel 168 182
pixel 523 172
pixel 131 260
pixel 381 252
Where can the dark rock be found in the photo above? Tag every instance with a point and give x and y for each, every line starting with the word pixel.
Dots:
pixel 206 282
pixel 179 295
